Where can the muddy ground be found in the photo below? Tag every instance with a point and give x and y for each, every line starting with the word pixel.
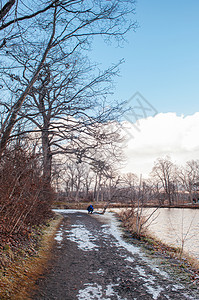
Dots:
pixel 90 260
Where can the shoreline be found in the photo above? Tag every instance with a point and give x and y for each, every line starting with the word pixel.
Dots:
pixel 100 205
pixel 179 264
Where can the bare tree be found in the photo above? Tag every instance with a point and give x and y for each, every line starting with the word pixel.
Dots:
pixel 108 159
pixel 63 105
pixel 96 170
pixel 130 183
pixel 189 178
pixel 47 31
pixel 75 180
pixel 164 173
pixel 135 219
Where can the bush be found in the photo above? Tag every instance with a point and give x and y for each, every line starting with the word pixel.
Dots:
pixel 25 198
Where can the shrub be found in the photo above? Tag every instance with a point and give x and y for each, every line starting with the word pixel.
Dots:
pixel 25 198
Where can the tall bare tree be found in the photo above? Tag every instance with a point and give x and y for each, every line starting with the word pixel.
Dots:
pixel 46 30
pixel 189 178
pixel 164 173
pixel 61 105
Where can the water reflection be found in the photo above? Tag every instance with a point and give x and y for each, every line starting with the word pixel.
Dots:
pixel 172 225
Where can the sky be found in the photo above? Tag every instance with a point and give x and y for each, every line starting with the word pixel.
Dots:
pixel 162 65
pixel 161 57
pixel 165 134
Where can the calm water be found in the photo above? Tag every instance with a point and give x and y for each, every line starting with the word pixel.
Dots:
pixel 172 225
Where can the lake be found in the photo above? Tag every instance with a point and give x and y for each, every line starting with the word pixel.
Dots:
pixel 172 225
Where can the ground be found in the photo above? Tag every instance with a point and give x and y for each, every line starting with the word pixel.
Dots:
pixel 91 260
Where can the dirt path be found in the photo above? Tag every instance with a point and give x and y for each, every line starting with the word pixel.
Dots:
pixel 91 261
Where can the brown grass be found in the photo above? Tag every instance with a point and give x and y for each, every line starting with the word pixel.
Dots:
pixel 84 205
pixel 187 262
pixel 19 277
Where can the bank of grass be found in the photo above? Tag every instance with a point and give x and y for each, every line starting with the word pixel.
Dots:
pixel 84 205
pixel 184 267
pixel 20 269
pixel 61 204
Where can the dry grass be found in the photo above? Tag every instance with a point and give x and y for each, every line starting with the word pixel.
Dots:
pixel 19 277
pixel 187 262
pixel 194 263
pixel 84 205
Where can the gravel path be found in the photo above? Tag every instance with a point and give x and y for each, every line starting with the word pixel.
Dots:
pixel 91 261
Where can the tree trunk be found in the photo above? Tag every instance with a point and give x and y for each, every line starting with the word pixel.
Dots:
pixel 95 189
pixel 47 156
pixel 77 190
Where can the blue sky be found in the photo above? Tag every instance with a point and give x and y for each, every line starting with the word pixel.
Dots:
pixel 161 57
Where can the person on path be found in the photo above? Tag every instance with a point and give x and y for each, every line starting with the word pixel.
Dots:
pixel 90 209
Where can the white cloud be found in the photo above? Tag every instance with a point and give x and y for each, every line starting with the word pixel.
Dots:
pixel 158 136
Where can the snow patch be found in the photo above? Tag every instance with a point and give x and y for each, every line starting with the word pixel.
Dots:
pixel 148 278
pixel 157 270
pixel 59 235
pixel 177 287
pixel 70 211
pixel 155 292
pixel 99 272
pixel 150 281
pixel 113 230
pixel 131 259
pixel 82 237
pixel 97 292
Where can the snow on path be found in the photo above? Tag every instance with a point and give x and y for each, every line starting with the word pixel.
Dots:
pixel 87 241
pixel 95 291
pixel 82 237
